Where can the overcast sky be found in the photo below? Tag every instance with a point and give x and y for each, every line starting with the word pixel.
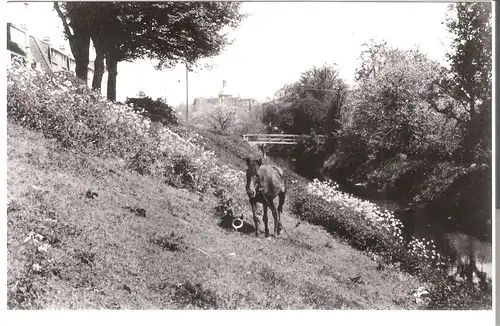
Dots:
pixel 277 42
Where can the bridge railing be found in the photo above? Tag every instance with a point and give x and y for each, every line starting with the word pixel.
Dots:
pixel 283 139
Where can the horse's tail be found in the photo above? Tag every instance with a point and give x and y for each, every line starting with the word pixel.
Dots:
pixel 281 197
pixel 283 178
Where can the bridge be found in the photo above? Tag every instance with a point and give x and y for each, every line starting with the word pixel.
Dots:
pixel 278 139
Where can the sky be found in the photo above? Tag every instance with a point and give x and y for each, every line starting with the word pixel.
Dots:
pixel 273 46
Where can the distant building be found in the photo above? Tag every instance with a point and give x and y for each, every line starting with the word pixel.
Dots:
pixel 224 97
pixel 41 54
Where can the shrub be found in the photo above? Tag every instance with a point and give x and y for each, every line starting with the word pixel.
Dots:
pixel 458 295
pixel 61 106
pixel 156 110
pixel 310 154
pixel 36 267
pixel 365 226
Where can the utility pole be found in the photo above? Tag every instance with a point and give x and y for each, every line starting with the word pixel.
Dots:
pixel 187 94
pixel 26 34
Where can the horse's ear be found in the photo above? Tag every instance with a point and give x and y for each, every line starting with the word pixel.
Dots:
pixel 259 161
pixel 249 161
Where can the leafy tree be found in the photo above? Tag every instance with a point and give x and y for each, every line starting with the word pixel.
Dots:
pixel 156 110
pixel 314 103
pixel 468 80
pixel 310 156
pixel 389 110
pixel 170 32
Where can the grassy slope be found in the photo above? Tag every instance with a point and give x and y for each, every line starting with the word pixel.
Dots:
pixel 102 254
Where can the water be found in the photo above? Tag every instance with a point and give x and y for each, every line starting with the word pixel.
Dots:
pixel 486 268
pixel 446 242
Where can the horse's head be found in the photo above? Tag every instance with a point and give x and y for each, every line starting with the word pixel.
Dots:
pixel 253 181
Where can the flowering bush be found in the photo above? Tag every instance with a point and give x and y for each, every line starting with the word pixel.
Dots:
pixel 420 295
pixel 382 220
pixel 366 226
pixel 38 266
pixel 457 295
pixel 61 106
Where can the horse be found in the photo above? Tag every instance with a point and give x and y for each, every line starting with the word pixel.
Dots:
pixel 264 183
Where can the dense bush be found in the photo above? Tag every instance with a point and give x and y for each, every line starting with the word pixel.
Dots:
pixel 156 110
pixel 459 295
pixel 62 107
pixel 366 226
pixel 221 143
pixel 313 102
pixel 310 154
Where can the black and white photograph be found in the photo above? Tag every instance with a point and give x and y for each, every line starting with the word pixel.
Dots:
pixel 249 156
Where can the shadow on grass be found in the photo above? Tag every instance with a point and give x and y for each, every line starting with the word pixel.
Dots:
pixel 186 294
pixel 247 228
pixel 172 242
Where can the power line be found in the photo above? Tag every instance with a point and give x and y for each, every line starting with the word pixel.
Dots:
pixel 316 89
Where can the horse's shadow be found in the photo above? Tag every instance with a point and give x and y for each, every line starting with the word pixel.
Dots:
pixel 247 228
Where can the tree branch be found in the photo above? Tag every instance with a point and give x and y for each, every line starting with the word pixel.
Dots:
pixel 458 99
pixel 67 30
pixel 444 111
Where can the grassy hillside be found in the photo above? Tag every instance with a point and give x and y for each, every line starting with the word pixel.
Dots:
pixel 86 232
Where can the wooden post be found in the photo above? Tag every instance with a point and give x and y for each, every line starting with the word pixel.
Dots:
pixel 263 150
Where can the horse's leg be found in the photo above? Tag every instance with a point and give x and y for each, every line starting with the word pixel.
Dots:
pixel 264 218
pixel 255 219
pixel 275 215
pixel 281 197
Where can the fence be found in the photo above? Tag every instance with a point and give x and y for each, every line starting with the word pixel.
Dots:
pixel 283 139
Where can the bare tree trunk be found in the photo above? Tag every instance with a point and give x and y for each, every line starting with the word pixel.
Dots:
pixel 112 66
pixel 81 54
pixel 472 262
pixel 98 64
